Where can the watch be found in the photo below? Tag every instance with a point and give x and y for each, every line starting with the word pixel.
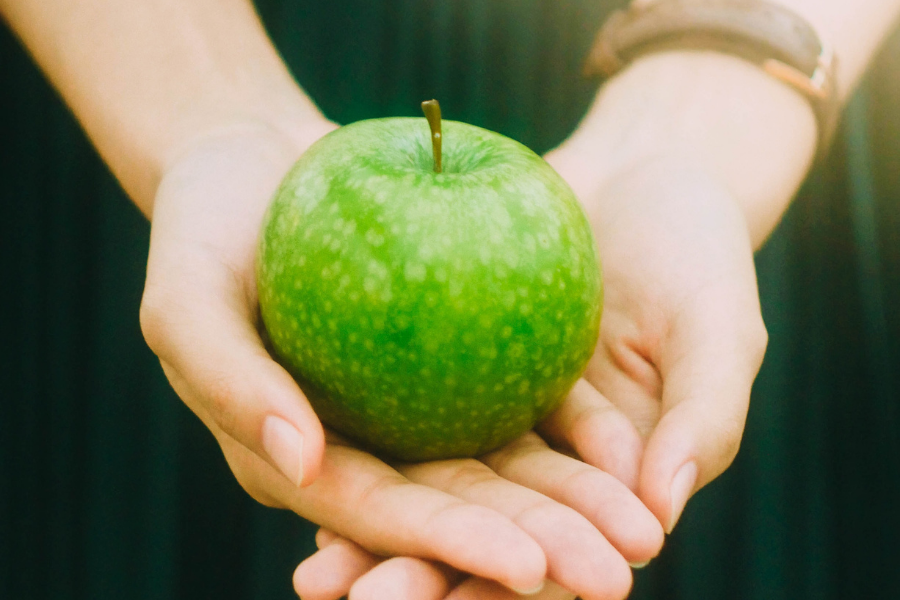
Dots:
pixel 779 41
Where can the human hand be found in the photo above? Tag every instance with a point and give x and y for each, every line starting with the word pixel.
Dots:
pixel 682 337
pixel 588 525
pixel 200 316
pixel 665 397
pixel 199 311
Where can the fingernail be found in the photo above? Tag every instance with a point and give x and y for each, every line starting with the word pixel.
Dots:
pixel 284 445
pixel 530 592
pixel 682 485
pixel 639 565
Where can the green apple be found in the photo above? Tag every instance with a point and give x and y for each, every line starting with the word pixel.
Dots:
pixel 428 315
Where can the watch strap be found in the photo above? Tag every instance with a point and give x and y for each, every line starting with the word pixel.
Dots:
pixel 769 35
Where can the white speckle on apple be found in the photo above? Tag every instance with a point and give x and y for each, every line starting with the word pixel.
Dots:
pixel 414 271
pixel 426 252
pixel 515 350
pixel 374 238
pixel 529 243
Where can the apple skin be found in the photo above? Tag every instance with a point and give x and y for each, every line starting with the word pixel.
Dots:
pixel 428 316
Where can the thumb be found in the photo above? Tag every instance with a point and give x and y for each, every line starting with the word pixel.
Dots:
pixel 708 370
pixel 196 318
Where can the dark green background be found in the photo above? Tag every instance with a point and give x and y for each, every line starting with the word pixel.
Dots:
pixel 110 488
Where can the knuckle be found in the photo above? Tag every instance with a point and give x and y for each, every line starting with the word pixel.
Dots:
pixel 374 492
pixel 547 513
pixel 508 457
pixel 153 319
pixel 453 517
pixel 730 436
pixel 590 417
pixel 756 340
pixel 219 401
pixel 469 474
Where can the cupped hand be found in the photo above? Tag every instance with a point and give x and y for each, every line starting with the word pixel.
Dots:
pixel 682 337
pixel 664 400
pixel 200 315
pixel 588 525
pixel 199 310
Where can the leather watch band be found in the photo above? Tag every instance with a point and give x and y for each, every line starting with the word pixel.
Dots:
pixel 771 36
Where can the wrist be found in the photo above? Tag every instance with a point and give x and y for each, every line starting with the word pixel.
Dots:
pixel 287 124
pixel 710 112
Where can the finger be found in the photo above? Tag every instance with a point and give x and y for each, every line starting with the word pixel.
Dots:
pixel 709 367
pixel 624 372
pixel 324 537
pixel 598 432
pixel 363 499
pixel 200 325
pixel 331 572
pixel 481 589
pixel 576 552
pixel 405 578
pixel 609 506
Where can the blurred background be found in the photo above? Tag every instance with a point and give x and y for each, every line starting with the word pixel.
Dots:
pixel 111 488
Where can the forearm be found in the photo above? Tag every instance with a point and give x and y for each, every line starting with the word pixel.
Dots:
pixel 721 115
pixel 145 78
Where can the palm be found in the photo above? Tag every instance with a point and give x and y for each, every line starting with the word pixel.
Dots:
pixel 682 336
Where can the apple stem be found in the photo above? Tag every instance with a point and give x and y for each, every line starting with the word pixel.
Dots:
pixel 432 111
